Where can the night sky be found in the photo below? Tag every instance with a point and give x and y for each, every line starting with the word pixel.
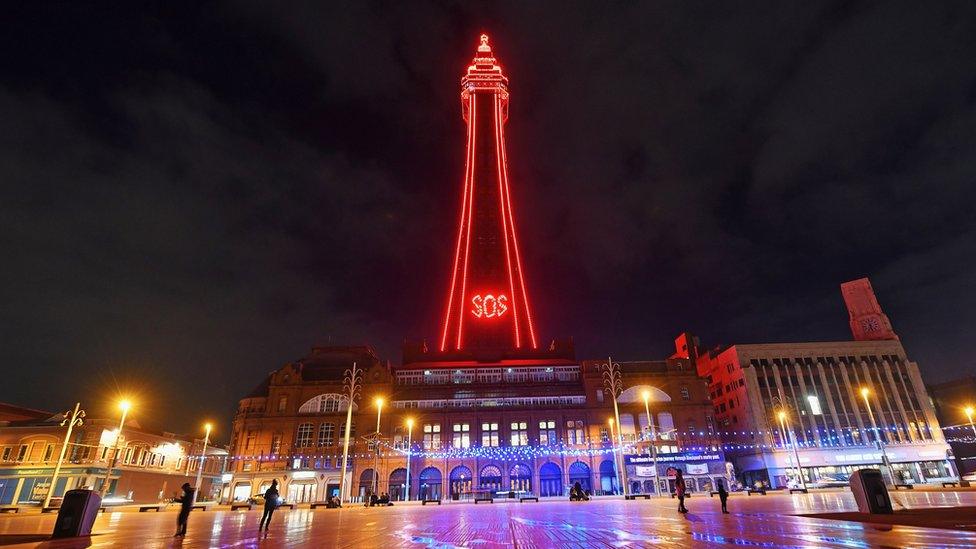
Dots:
pixel 193 196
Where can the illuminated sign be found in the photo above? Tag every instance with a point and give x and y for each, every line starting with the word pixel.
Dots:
pixel 644 459
pixel 489 306
pixel 303 475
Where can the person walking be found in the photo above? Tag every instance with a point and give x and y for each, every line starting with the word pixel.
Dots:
pixel 270 504
pixel 186 505
pixel 679 490
pixel 723 496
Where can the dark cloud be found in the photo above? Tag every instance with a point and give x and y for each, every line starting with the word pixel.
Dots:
pixel 192 196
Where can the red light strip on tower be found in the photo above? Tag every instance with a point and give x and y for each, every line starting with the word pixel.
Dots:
pixel 511 220
pixel 461 222
pixel 467 241
pixel 501 205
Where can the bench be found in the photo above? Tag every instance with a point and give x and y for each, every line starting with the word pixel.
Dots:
pixel 905 486
pixel 798 491
pixel 236 506
pixel 200 507
pixel 144 508
pixel 426 501
pixel 635 496
pixel 752 491
pixel 288 505
pixel 319 504
pixel 483 500
pixel 50 509
pixel 9 509
pixel 674 495
pixel 950 484
pixel 523 499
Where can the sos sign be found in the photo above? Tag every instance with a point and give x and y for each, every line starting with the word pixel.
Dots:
pixel 489 306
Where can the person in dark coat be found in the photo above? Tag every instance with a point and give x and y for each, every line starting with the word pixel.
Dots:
pixel 186 505
pixel 679 491
pixel 270 504
pixel 723 496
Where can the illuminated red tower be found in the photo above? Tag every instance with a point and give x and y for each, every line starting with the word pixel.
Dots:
pixel 487 304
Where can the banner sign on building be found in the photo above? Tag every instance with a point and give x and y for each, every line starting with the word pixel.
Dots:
pixel 696 469
pixel 645 471
pixel 644 459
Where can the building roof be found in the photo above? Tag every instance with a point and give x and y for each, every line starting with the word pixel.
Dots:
pixel 12 412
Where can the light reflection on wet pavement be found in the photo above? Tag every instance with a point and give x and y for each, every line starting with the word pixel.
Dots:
pixel 757 521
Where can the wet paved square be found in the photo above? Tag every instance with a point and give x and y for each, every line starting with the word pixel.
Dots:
pixel 757 521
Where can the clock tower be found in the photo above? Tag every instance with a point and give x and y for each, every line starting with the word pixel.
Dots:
pixel 868 321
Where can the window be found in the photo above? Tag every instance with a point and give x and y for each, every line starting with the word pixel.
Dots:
pixel 574 432
pixel 127 457
pixel 342 429
pixel 248 465
pixel 22 453
pixel 666 423
pixel 250 440
pixel 685 394
pixel 604 434
pixel 520 433
pixel 547 432
pixel 282 403
pixel 326 434
pixel 276 443
pixel 303 438
pixel 599 395
pixel 462 435
pixel 152 459
pixel 432 436
pixel 6 453
pixel 48 452
pixel 399 440
pixel 489 434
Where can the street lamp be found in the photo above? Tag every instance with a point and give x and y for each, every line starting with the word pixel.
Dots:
pixel 124 405
pixel 376 445
pixel 351 382
pixel 969 414
pixel 71 419
pixel 792 439
pixel 206 440
pixel 409 450
pixel 877 434
pixel 613 383
pixel 650 425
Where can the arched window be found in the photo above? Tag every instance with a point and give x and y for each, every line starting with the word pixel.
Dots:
pixel 326 403
pixel 666 425
pixel 580 472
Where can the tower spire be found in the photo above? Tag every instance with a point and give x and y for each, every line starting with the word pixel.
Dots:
pixel 487 304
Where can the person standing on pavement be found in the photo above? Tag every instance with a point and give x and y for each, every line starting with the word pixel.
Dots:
pixel 270 504
pixel 186 505
pixel 679 490
pixel 723 496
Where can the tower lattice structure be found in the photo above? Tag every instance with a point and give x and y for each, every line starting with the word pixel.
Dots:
pixel 487 303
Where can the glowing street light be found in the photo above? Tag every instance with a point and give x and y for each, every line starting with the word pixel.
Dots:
pixel 124 405
pixel 646 395
pixel 877 433
pixel 409 450
pixel 71 419
pixel 203 456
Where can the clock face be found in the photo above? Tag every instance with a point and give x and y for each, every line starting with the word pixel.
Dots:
pixel 871 324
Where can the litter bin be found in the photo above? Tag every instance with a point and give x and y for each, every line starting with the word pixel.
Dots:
pixel 77 514
pixel 870 492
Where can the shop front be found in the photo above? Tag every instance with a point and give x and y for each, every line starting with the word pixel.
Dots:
pixel 701 471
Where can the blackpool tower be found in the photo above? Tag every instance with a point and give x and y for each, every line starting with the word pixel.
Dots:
pixel 487 303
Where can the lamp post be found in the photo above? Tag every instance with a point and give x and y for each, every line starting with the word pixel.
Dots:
pixel 650 426
pixel 70 419
pixel 351 383
pixel 376 446
pixel 792 440
pixel 409 450
pixel 877 433
pixel 124 405
pixel 616 466
pixel 614 384
pixel 969 414
pixel 206 440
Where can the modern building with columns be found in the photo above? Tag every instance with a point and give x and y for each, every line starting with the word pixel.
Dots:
pixel 838 399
